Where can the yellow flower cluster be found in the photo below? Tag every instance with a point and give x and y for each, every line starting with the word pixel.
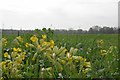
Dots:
pixel 100 43
pixel 34 38
pixel 3 41
pixel 44 36
pixel 51 43
pixel 43 43
pixel 56 56
pixel 19 38
pixel 6 55
pixel 38 46
pixel 103 52
pixel 85 66
pixel 26 44
pixel 17 50
pixel 3 62
pixel 13 61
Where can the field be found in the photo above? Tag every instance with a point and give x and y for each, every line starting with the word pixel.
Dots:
pixel 74 39
pixel 48 55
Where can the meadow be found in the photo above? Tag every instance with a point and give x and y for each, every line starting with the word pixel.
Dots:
pixel 74 39
pixel 48 55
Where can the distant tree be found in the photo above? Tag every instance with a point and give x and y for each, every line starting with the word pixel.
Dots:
pixel 79 31
pixel 115 30
pixel 96 28
pixel 91 31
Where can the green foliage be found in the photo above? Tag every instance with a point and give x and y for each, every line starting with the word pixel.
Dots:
pixel 60 55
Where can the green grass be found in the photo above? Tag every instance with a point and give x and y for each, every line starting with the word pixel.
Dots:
pixel 88 40
pixel 102 66
pixel 71 40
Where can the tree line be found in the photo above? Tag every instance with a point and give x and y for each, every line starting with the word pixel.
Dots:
pixel 92 30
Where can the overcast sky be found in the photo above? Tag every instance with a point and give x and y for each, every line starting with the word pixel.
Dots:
pixel 62 14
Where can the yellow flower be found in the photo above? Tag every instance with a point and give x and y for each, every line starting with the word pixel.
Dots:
pixel 38 46
pixel 51 43
pixel 23 57
pixel 23 53
pixel 19 50
pixel 3 62
pixel 26 44
pixel 6 54
pixel 44 36
pixel 103 52
pixel 87 64
pixel 44 43
pixel 100 43
pixel 4 41
pixel 15 49
pixel 20 38
pixel 34 38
